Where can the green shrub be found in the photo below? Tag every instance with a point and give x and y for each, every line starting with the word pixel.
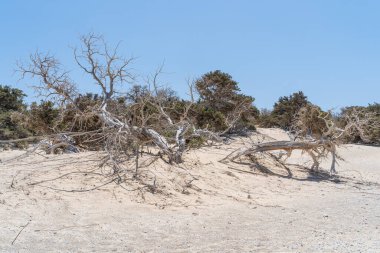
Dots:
pixel 310 120
pixel 221 103
pixel 11 101
pixel 284 111
pixel 367 118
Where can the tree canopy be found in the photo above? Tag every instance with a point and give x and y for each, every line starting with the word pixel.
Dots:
pixel 11 99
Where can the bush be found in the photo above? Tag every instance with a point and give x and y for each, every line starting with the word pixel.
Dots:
pixel 41 118
pixel 46 118
pixel 310 121
pixel 221 106
pixel 11 101
pixel 284 111
pixel 364 122
pixel 208 118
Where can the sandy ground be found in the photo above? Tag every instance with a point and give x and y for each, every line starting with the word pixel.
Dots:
pixel 202 206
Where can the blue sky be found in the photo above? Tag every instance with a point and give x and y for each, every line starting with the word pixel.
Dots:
pixel 328 49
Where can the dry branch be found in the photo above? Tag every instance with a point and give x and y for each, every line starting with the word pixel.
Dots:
pixel 315 149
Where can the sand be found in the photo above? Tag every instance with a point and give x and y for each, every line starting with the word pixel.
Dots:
pixel 202 205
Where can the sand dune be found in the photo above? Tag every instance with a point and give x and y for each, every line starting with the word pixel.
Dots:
pixel 202 205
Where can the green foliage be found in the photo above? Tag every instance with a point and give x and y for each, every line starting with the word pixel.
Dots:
pixel 208 118
pixel 137 93
pixel 375 107
pixel 42 118
pixel 218 106
pixel 221 103
pixel 81 116
pixel 265 118
pixel 45 118
pixel 196 142
pixel 374 132
pixel 310 121
pixel 249 116
pixel 284 111
pixel 9 129
pixel 218 91
pixel 370 132
pixel 11 101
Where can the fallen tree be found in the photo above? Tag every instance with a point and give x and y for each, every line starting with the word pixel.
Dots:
pixel 316 149
pixel 317 143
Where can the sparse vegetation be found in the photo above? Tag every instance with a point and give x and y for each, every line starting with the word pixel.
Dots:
pixel 284 111
pixel 11 101
pixel 368 120
pixel 150 115
pixel 221 106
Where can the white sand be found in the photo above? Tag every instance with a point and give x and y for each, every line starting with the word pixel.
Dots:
pixel 229 208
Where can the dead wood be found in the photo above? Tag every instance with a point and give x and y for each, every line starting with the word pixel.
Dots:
pixel 151 122
pixel 315 149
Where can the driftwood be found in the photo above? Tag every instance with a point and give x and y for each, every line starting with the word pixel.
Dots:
pixel 316 145
pixel 315 149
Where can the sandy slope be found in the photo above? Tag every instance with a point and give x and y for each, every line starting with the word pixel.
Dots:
pixel 227 208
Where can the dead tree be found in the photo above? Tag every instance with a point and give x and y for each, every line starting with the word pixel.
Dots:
pixel 110 71
pixel 54 83
pixel 317 148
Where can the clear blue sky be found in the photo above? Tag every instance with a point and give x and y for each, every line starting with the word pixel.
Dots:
pixel 329 49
